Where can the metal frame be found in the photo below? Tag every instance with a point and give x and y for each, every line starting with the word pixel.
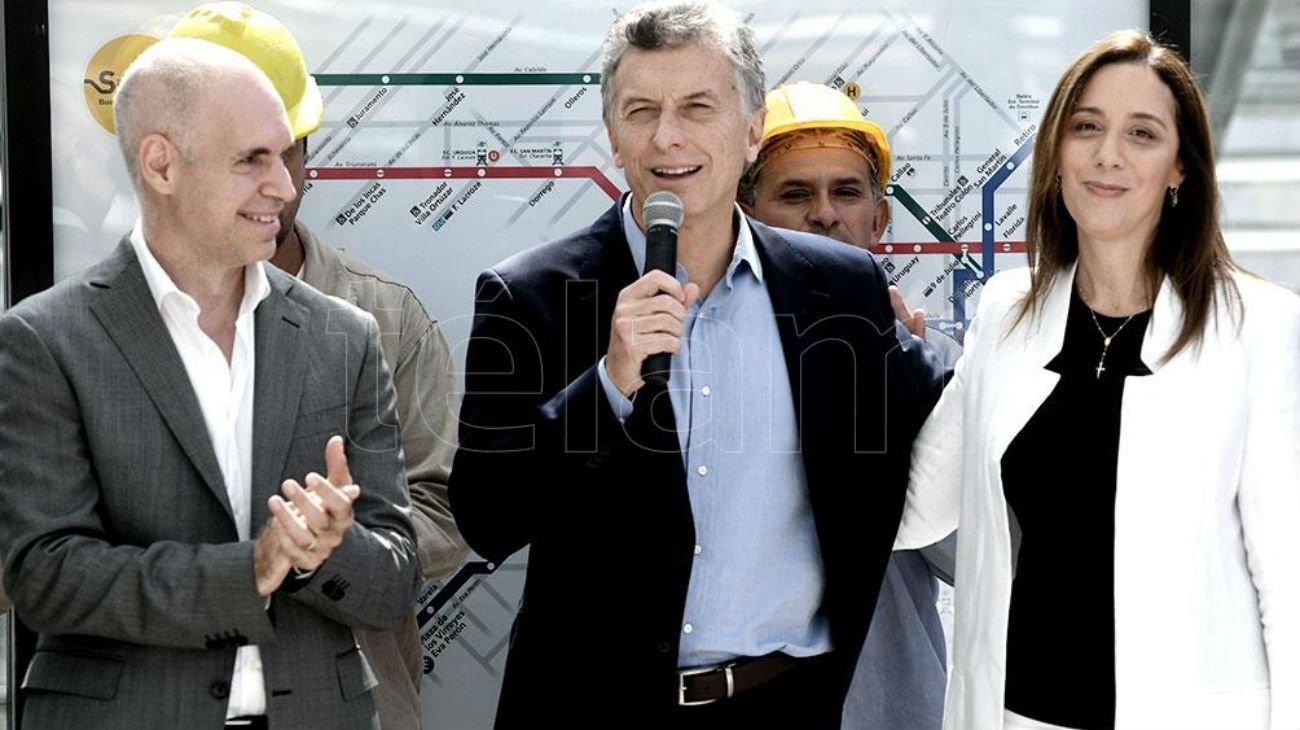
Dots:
pixel 1170 21
pixel 28 227
pixel 29 265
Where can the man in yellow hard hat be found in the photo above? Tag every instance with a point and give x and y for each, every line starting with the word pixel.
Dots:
pixel 823 168
pixel 412 343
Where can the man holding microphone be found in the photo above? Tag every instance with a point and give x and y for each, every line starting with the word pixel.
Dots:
pixel 696 557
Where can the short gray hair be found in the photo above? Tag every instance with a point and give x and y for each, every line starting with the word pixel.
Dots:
pixel 677 23
pixel 162 92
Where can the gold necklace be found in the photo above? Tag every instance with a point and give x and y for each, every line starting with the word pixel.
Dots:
pixel 1106 338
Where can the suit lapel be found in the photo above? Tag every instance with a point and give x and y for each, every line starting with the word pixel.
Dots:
pixel 1166 321
pixel 607 260
pixel 280 369
pixel 798 301
pixel 1029 381
pixel 130 317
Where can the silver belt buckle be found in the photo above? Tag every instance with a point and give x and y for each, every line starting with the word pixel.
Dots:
pixel 682 674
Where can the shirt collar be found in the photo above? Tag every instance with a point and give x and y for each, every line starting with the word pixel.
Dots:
pixel 161 286
pixel 744 250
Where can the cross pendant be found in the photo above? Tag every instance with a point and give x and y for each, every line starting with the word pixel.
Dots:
pixel 1101 367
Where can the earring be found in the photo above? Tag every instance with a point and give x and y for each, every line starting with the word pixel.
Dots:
pixel 1173 196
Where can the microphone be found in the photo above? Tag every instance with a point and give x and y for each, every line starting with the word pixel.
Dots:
pixel 662 214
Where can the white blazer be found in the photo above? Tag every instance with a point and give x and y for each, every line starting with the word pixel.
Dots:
pixel 1207 510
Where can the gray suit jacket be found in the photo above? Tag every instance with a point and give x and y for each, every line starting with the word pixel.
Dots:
pixel 426 406
pixel 118 540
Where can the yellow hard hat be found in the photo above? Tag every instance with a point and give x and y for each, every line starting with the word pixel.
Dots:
pixel 268 44
pixel 805 105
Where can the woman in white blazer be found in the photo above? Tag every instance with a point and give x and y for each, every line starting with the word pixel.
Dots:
pixel 1128 407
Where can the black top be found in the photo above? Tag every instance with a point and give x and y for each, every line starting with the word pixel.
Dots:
pixel 1059 478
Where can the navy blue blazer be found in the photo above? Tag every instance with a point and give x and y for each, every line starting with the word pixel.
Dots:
pixel 603 505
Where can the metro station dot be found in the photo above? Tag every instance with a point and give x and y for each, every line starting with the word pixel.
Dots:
pixel 586 78
pixel 384 78
pixel 916 248
pixel 559 172
pixel 460 79
pixel 313 173
pixel 988 226
pixel 482 172
pixel 889 248
pixel 379 173
pixel 1011 165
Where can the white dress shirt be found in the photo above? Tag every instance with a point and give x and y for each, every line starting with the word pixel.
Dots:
pixel 225 394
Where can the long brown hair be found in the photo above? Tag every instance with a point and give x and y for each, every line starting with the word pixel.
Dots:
pixel 1188 247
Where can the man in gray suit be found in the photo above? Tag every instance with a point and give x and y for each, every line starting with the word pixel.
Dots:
pixel 158 412
pixel 411 341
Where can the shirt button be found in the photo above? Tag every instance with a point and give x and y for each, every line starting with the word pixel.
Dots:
pixel 698 549
pixel 706 391
pixel 702 470
pixel 663 647
pixel 219 689
pixel 687 629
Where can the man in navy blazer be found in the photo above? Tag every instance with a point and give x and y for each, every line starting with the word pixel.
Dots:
pixel 705 553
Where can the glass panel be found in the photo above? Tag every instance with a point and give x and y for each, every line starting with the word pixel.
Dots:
pixel 4 235
pixel 1247 56
pixel 4 670
pixel 4 616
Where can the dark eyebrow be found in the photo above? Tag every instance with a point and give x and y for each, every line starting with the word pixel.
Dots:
pixel 803 182
pixel 253 152
pixel 1136 115
pixel 1152 117
pixel 704 94
pixel 636 100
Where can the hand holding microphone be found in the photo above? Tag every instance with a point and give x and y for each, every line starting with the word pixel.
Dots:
pixel 647 326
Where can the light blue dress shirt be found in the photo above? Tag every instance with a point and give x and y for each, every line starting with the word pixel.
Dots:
pixel 757 579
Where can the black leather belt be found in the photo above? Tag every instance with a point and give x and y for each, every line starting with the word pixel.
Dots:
pixel 705 685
